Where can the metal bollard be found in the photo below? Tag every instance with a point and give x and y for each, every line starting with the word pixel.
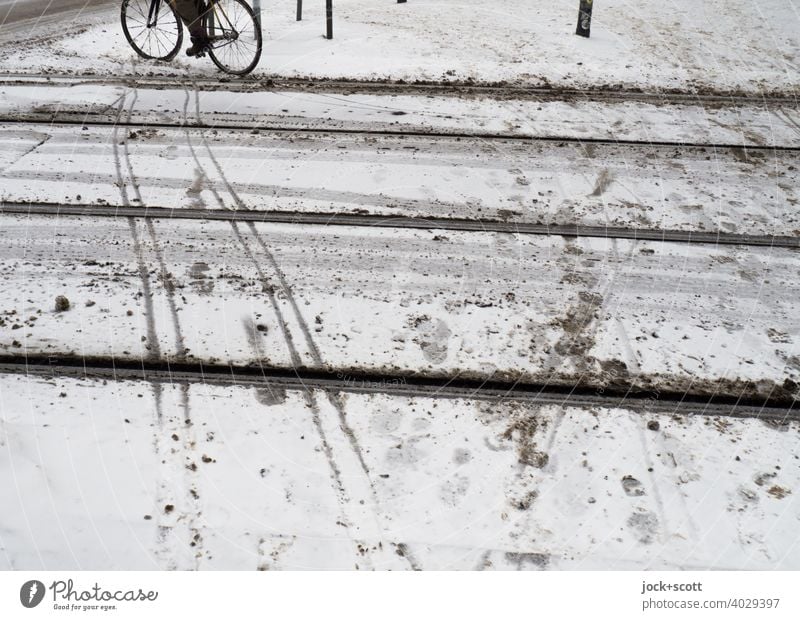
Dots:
pixel 299 10
pixel 584 18
pixel 329 18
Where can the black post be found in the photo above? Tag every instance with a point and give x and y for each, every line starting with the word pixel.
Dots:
pixel 584 18
pixel 299 10
pixel 329 18
pixel 400 1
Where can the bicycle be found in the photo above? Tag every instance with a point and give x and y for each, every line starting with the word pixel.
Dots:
pixel 155 32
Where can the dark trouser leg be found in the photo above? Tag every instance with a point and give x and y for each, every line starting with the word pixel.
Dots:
pixel 189 13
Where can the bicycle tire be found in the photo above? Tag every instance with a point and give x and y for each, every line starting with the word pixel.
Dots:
pixel 167 40
pixel 242 13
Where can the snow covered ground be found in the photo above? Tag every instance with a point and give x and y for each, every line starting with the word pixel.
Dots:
pixel 599 312
pixel 139 474
pixel 125 475
pixel 699 189
pixel 535 116
pixel 723 45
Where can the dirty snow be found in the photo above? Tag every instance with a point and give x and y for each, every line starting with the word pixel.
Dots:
pixel 725 45
pixel 547 310
pixel 126 475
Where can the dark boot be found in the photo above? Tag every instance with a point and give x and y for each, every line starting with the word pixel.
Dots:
pixel 199 44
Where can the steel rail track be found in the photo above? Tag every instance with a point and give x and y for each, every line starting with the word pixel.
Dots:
pixel 388 87
pixel 82 119
pixel 775 410
pixel 391 221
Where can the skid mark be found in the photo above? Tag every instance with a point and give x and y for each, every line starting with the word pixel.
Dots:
pixel 120 181
pixel 166 277
pixel 334 397
pixel 169 286
pixel 336 400
pixel 137 194
pixel 236 199
pixel 362 549
pixel 153 347
pixel 335 472
pixel 192 150
pixel 287 291
pixel 255 343
pixel 267 287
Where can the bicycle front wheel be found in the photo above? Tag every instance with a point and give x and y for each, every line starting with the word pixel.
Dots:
pixel 235 36
pixel 152 28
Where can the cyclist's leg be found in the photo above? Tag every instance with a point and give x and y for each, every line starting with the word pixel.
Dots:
pixel 190 14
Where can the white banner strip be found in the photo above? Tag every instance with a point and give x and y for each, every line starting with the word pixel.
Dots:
pixel 385 595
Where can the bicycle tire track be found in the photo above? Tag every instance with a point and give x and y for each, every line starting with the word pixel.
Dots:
pixel 237 200
pixel 153 347
pixel 315 352
pixel 200 169
pixel 252 334
pixel 342 497
pixel 268 288
pixel 166 276
pixel 335 398
pixel 163 551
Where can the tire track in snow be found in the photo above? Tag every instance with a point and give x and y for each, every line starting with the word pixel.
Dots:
pixel 253 336
pixel 200 169
pixel 163 550
pixel 334 398
pixel 153 347
pixel 228 187
pixel 166 276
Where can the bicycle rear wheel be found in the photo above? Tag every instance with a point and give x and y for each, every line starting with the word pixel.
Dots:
pixel 155 35
pixel 235 36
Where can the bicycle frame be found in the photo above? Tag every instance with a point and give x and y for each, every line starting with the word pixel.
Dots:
pixel 211 22
pixel 152 17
